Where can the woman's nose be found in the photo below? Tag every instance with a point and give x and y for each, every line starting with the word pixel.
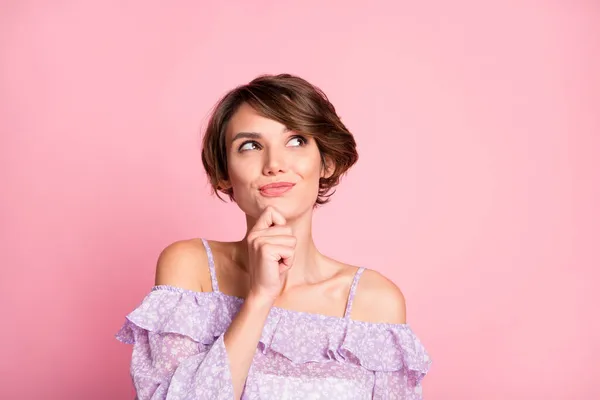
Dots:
pixel 275 163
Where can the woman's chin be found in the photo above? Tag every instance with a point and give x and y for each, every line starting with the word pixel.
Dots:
pixel 288 209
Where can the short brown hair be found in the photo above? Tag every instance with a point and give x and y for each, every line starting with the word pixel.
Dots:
pixel 293 102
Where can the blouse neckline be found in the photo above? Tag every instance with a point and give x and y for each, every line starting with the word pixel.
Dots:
pixel 279 310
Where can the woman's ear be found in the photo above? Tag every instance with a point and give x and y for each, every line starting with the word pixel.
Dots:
pixel 327 168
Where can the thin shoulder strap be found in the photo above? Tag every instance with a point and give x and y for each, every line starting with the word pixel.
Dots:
pixel 211 266
pixel 353 291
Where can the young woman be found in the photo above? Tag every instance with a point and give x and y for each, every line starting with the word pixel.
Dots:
pixel 269 316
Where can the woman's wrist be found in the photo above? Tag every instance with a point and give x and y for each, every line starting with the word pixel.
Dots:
pixel 259 302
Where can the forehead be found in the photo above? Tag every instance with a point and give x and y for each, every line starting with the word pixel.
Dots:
pixel 246 119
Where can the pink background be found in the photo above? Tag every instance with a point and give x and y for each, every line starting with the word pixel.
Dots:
pixel 477 189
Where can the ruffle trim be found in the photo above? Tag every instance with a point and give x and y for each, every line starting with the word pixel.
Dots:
pixel 205 316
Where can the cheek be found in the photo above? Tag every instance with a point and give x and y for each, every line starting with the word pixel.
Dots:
pixel 242 170
pixel 310 167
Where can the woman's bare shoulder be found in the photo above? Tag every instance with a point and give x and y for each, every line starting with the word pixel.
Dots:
pixel 183 264
pixel 378 300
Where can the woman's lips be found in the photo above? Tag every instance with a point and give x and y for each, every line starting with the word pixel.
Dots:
pixel 276 189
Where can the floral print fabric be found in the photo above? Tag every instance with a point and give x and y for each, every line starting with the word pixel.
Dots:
pixel 179 353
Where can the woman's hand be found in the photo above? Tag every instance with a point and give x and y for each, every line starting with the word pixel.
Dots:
pixel 271 247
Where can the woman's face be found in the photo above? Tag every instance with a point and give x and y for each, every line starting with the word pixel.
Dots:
pixel 261 151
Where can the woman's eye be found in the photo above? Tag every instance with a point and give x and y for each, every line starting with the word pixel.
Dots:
pixel 248 146
pixel 297 141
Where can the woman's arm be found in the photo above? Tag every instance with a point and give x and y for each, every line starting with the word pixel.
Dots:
pixel 271 252
pixel 181 265
pixel 242 336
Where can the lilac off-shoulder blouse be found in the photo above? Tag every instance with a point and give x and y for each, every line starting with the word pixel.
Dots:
pixel 178 351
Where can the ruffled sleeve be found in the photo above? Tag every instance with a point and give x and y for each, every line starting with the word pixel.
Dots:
pixel 395 354
pixel 178 349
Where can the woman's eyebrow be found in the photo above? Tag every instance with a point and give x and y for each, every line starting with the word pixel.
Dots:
pixel 252 135
pixel 246 135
